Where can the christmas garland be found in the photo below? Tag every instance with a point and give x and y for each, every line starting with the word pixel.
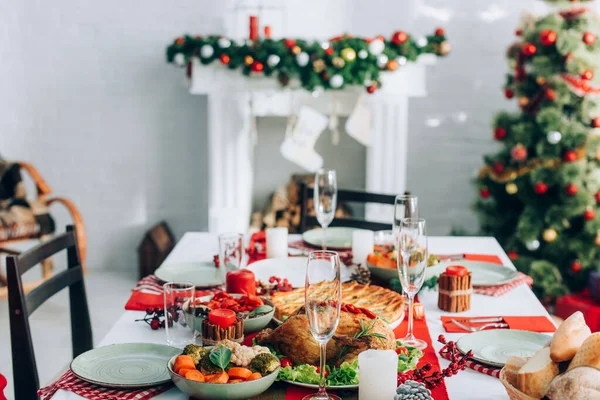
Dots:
pixel 332 64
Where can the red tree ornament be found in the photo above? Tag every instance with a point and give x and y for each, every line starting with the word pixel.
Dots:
pixel 518 32
pixel 289 43
pixel 257 66
pixel 529 49
pixel 400 37
pixel 550 94
pixel 499 133
pixel 596 122
pixel 587 74
pixel 224 59
pixel 576 266
pixel 498 167
pixel 512 255
pixel 519 152
pixel 484 193
pixel 540 188
pixel 329 51
pixel 589 214
pixel 589 38
pixel 180 41
pixel 597 197
pixel 440 32
pixel 547 37
pixel 570 156
pixel 371 89
pixel 571 189
pixel 508 93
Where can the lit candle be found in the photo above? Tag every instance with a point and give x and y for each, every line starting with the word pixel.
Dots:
pixel 277 242
pixel 253 27
pixel 362 245
pixel 378 371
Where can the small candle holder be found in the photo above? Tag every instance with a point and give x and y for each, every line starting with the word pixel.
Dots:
pixel 455 287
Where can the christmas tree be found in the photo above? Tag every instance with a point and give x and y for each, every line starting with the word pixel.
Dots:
pixel 538 195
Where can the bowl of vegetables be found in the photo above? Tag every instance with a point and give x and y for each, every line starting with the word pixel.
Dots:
pixel 228 371
pixel 256 311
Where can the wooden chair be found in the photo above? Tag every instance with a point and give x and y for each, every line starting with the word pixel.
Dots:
pixel 26 381
pixel 348 196
pixel 9 247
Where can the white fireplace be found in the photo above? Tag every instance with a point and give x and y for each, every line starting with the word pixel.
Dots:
pixel 234 101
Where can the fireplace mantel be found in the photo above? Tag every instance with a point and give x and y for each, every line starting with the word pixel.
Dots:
pixel 233 101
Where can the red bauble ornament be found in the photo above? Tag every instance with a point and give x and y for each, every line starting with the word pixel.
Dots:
pixel 529 49
pixel 571 189
pixel 179 41
pixel 289 43
pixel 550 94
pixel 329 51
pixel 596 122
pixel 371 89
pixel 597 197
pixel 589 214
pixel 576 266
pixel 589 38
pixel 499 133
pixel 540 188
pixel 512 255
pixel 498 167
pixel 225 59
pixel 257 66
pixel 587 74
pixel 547 37
pixel 440 32
pixel 484 193
pixel 519 152
pixel 400 37
pixel 518 32
pixel 570 156
pixel 508 93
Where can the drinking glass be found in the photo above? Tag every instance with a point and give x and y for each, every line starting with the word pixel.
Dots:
pixel 179 296
pixel 323 297
pixel 325 199
pixel 231 251
pixel 405 206
pixel 412 262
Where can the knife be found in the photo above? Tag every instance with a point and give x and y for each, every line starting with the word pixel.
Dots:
pixel 480 320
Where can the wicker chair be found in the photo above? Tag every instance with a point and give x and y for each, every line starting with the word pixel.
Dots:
pixel 15 232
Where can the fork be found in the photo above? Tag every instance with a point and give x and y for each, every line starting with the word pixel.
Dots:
pixel 479 328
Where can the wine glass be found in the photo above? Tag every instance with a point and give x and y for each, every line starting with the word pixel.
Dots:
pixel 405 206
pixel 325 199
pixel 412 262
pixel 323 297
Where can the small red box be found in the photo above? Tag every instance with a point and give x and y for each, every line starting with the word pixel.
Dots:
pixel 567 305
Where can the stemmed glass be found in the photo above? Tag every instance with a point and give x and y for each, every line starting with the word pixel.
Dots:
pixel 323 297
pixel 405 206
pixel 325 199
pixel 412 262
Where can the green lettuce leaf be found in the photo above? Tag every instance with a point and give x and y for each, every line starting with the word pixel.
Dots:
pixel 300 373
pixel 407 362
pixel 346 374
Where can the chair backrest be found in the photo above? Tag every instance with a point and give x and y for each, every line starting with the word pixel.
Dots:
pixel 26 381
pixel 350 196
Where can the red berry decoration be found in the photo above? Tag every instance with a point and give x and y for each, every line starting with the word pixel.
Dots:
pixel 589 38
pixel 576 266
pixel 596 122
pixel 519 153
pixel 155 324
pixel 484 193
pixel 498 167
pixel 499 133
pixel 289 43
pixel 587 75
pixel 589 214
pixel 400 37
pixel 529 49
pixel 179 41
pixel 540 188
pixel 571 189
pixel 257 66
pixel 550 94
pixel 440 32
pixel 518 32
pixel 570 156
pixel 512 255
pixel 547 37
pixel 508 93
pixel 371 89
pixel 329 51
pixel 225 59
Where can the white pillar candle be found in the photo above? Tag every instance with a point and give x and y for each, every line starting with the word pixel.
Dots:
pixel 277 242
pixel 362 245
pixel 378 374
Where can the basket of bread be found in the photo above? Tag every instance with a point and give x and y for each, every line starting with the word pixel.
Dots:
pixel 567 368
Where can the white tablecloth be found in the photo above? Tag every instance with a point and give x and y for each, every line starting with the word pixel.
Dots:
pixel 468 384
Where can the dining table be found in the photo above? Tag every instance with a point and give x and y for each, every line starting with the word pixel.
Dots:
pixel 468 384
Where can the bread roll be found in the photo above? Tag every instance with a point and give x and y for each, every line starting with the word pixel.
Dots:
pixel 512 367
pixel 568 337
pixel 588 354
pixel 578 384
pixel 535 376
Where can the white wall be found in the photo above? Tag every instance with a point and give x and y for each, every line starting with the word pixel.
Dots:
pixel 87 97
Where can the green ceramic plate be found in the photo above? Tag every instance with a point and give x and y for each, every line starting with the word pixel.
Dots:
pixel 335 238
pixel 493 347
pixel 201 274
pixel 484 274
pixel 127 365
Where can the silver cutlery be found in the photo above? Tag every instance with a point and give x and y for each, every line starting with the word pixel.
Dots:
pixel 480 320
pixel 479 328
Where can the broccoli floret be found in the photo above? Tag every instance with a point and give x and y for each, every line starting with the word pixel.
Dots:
pixel 196 352
pixel 265 363
pixel 207 367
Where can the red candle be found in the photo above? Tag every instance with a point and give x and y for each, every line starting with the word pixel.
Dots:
pixel 457 270
pixel 268 31
pixel 253 27
pixel 242 281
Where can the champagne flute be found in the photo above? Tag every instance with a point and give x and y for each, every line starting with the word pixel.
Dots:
pixel 405 206
pixel 412 262
pixel 325 199
pixel 323 297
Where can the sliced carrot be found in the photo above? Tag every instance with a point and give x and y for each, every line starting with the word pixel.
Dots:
pixel 373 259
pixel 221 377
pixel 183 361
pixel 208 377
pixel 387 263
pixel 194 375
pixel 239 373
pixel 235 381
pixel 182 371
pixel 254 376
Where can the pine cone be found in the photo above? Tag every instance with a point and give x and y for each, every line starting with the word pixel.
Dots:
pixel 362 275
pixel 411 390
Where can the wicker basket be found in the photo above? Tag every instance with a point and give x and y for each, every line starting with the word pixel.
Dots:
pixel 513 392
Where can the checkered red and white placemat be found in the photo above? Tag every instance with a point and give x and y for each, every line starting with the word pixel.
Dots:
pixel 495 372
pixel 502 289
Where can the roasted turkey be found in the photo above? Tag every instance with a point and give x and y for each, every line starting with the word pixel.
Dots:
pixel 294 340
